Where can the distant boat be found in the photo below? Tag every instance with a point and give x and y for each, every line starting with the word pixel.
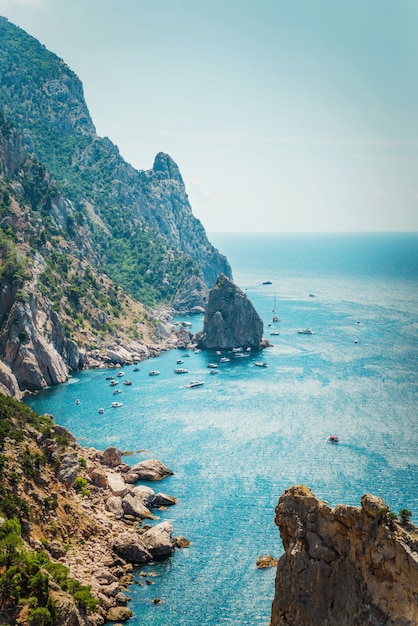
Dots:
pixel 306 331
pixel 116 392
pixel 110 377
pixel 312 295
pixel 127 382
pixel 261 364
pixel 212 366
pixel 101 410
pixel 195 383
pixel 332 439
pixel 179 361
pixel 136 369
pixel 275 317
pixel 114 405
pixel 120 374
pixel 113 383
pixel 275 332
pixel 77 401
pixel 153 373
pixel 214 372
pixel 267 282
pixel 224 359
pixel 181 370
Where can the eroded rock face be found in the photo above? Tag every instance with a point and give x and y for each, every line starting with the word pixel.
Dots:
pixel 151 469
pixel 345 566
pixel 231 320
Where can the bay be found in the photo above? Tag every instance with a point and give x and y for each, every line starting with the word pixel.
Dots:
pixel 235 443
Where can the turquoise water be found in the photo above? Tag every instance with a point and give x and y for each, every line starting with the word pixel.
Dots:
pixel 237 442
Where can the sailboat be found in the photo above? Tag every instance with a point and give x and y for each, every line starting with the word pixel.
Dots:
pixel 275 317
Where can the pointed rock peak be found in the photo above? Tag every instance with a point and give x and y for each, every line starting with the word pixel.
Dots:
pixel 164 165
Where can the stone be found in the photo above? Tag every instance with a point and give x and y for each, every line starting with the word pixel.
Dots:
pixel 117 484
pixel 151 470
pixel 131 547
pixel 119 613
pixel 112 456
pixel 68 469
pixel 162 499
pixel 158 540
pixel 134 506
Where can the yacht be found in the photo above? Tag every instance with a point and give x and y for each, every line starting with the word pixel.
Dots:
pixel 195 383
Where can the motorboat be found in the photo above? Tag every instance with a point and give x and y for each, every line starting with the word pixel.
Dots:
pixel 306 331
pixel 101 410
pixel 212 366
pixel 153 373
pixel 77 401
pixel 179 361
pixel 116 392
pixel 120 374
pixel 181 370
pixel 332 439
pixel 261 364
pixel 224 359
pixel 127 382
pixel 113 383
pixel 275 332
pixel 115 405
pixel 195 383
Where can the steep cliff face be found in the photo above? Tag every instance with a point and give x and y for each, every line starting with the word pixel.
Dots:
pixel 347 566
pixel 230 321
pixel 140 223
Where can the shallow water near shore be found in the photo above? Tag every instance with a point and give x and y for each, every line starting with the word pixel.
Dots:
pixel 235 443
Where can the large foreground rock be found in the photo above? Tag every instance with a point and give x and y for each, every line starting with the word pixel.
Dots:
pixel 231 320
pixel 347 566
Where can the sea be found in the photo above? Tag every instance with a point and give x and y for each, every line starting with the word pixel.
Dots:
pixel 238 441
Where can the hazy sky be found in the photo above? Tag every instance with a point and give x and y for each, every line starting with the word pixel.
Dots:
pixel 283 115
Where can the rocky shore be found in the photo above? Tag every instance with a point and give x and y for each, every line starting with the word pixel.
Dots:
pixel 87 513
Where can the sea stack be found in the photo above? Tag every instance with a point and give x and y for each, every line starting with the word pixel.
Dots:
pixel 231 320
pixel 344 566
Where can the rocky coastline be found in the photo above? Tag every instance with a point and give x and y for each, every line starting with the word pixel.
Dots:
pixel 88 514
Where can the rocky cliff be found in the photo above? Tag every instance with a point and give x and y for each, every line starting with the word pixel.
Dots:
pixel 231 320
pixel 141 225
pixel 72 524
pixel 89 246
pixel 347 566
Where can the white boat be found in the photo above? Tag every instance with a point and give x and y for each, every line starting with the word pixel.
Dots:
pixel 332 439
pixel 306 331
pixel 212 366
pixel 120 374
pixel 127 382
pixel 116 392
pixel 77 401
pixel 214 372
pixel 236 349
pixel 114 405
pixel 181 370
pixel 195 383
pixel 179 361
pixel 261 364
pixel 224 359
pixel 241 355
pixel 113 383
pixel 153 373
pixel 275 332
pixel 101 410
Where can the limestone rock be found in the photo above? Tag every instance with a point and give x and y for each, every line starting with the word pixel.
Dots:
pixel 163 499
pixel 151 469
pixel 112 456
pixel 231 320
pixel 69 468
pixel 117 484
pixel 131 547
pixel 159 541
pixel 119 614
pixel 343 566
pixel 134 506
pixel 145 494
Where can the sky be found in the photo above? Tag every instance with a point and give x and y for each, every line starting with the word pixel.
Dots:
pixel 283 116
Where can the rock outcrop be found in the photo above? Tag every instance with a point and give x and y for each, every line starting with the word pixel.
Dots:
pixel 347 566
pixel 231 320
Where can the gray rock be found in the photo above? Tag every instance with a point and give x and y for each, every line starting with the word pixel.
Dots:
pixel 131 547
pixel 69 468
pixel 135 507
pixel 162 499
pixel 158 540
pixel 151 469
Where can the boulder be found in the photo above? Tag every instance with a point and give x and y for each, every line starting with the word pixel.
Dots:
pixel 134 506
pixel 158 540
pixel 144 493
pixel 112 457
pixel 119 614
pixel 131 547
pixel 117 484
pixel 162 499
pixel 151 469
pixel 68 469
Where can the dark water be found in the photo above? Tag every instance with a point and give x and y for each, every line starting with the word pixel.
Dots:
pixel 237 442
